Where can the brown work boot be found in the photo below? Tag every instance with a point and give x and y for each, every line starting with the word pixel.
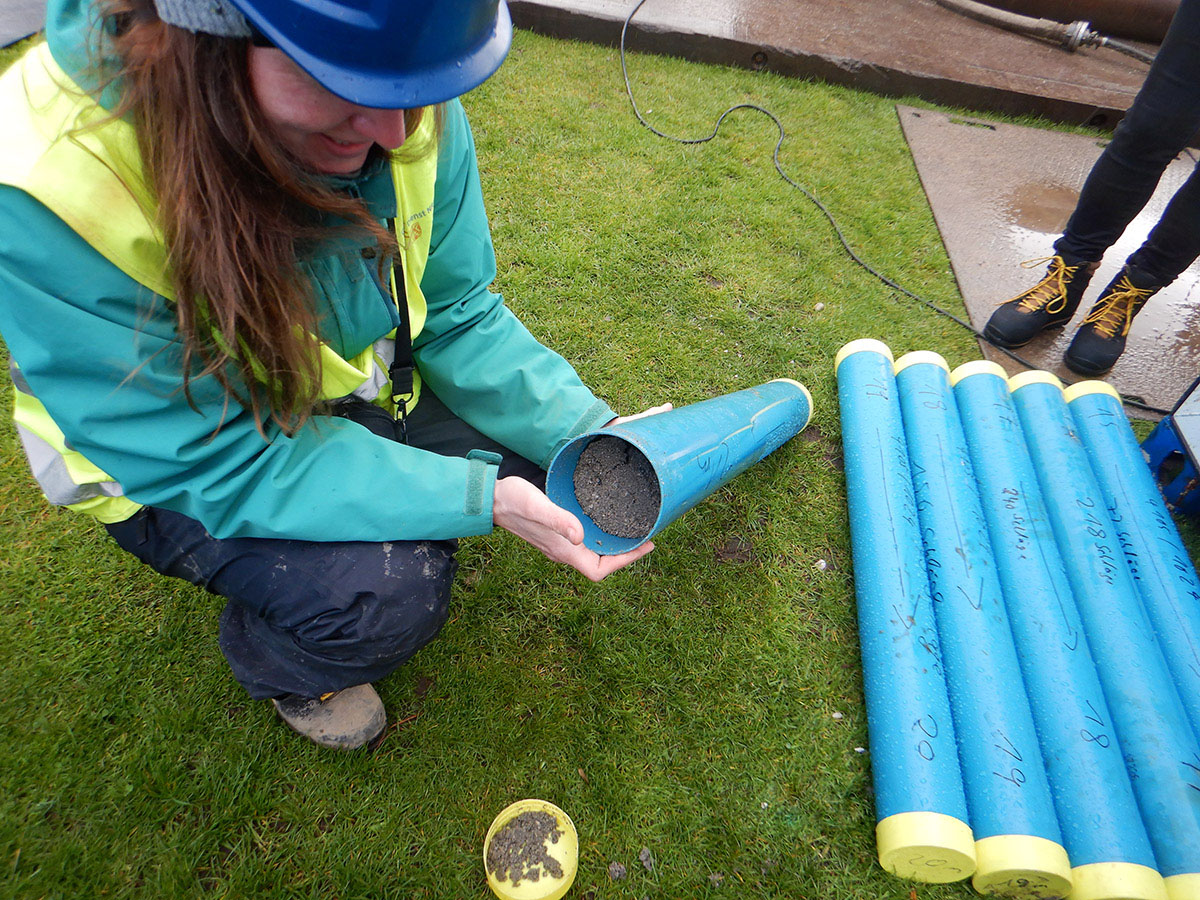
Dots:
pixel 1048 304
pixel 1100 340
pixel 344 720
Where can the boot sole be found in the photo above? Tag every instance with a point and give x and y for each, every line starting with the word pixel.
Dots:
pixel 1086 372
pixel 997 341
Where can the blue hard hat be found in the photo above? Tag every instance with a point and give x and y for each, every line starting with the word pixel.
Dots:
pixel 388 54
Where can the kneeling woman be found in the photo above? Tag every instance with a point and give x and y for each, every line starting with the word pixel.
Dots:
pixel 245 270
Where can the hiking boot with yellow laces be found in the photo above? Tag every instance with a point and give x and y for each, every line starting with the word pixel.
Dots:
pixel 1048 304
pixel 343 720
pixel 1100 340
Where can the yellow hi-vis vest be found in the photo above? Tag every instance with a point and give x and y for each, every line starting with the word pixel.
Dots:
pixel 64 150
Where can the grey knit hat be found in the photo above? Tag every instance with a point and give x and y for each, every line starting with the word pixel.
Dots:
pixel 219 17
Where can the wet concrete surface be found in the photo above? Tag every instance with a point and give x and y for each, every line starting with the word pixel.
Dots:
pixel 898 48
pixel 1002 194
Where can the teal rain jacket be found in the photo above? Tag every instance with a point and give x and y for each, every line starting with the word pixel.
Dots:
pixel 101 354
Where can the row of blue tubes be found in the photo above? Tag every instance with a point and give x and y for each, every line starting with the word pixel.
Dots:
pixel 1030 632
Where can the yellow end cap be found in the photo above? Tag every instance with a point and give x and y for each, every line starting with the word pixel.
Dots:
pixel 1117 881
pixel 807 396
pixel 1038 376
pixel 921 356
pixel 977 367
pixel 863 345
pixel 1183 887
pixel 1021 865
pixel 565 850
pixel 1083 388
pixel 926 846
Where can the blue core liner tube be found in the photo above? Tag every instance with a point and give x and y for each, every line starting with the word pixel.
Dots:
pixel 1111 857
pixel 692 450
pixel 1157 559
pixel 922 832
pixel 1160 750
pixel 1018 844
pixel 1158 562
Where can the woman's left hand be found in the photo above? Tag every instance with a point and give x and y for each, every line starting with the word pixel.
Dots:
pixel 518 506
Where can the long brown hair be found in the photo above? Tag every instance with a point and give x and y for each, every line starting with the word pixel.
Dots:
pixel 235 208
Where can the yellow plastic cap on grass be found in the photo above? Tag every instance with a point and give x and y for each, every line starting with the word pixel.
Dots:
pixel 1117 881
pixel 1021 866
pixel 1037 376
pixel 862 345
pixel 926 846
pixel 546 853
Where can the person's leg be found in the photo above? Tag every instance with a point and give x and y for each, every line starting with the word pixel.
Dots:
pixel 1172 245
pixel 304 617
pixel 1164 116
pixel 1174 242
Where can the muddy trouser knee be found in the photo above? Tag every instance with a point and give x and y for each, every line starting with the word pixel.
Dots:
pixel 307 617
pixel 304 617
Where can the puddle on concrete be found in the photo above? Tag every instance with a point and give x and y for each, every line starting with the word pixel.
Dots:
pixel 1041 208
pixel 1002 195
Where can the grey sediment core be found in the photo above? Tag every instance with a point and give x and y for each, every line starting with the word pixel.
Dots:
pixel 518 850
pixel 616 487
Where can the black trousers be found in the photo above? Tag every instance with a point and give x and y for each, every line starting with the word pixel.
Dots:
pixel 306 617
pixel 1164 116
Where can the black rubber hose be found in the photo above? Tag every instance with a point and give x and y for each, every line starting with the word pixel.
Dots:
pixel 1127 49
pixel 837 229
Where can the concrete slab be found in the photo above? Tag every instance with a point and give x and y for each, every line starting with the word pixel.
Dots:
pixel 898 48
pixel 1001 194
pixel 20 18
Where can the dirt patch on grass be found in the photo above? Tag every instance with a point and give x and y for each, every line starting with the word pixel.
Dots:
pixel 736 550
pixel 831 449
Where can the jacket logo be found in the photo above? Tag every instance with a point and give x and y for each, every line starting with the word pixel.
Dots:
pixel 413 228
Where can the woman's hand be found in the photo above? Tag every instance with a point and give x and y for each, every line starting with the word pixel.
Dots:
pixel 521 508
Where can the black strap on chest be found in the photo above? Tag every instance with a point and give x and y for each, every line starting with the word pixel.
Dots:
pixel 401 370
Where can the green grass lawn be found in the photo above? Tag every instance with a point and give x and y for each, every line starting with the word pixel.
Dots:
pixel 686 705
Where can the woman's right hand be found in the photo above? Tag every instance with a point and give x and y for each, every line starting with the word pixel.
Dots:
pixel 518 506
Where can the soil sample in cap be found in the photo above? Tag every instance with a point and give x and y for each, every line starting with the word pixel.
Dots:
pixel 616 486
pixel 518 848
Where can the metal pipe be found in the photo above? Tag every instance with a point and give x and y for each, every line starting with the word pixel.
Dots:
pixel 1070 36
pixel 1141 20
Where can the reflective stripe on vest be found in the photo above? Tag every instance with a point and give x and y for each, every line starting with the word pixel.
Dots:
pixel 62 149
pixel 66 476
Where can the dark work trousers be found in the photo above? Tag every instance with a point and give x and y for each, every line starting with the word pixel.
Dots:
pixel 307 617
pixel 1164 116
